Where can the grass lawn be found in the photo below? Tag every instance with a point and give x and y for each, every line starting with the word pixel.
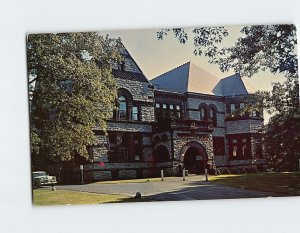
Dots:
pixel 129 181
pixel 43 196
pixel 284 183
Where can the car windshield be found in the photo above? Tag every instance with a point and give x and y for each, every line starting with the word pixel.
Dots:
pixel 36 174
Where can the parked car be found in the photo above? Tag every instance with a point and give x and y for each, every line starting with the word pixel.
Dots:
pixel 40 178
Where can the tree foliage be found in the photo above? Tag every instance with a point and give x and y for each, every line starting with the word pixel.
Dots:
pixel 259 48
pixel 71 91
pixel 282 141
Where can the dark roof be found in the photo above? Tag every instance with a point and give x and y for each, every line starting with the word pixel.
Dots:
pixel 128 75
pixel 186 78
pixel 193 79
pixel 230 86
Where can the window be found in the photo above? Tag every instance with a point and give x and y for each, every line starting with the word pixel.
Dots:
pixel 203 115
pixel 178 112
pixel 124 155
pixel 232 108
pixel 122 108
pixel 244 140
pixel 137 158
pixel 242 105
pixel 211 113
pixel 164 106
pixel 234 140
pixel 254 113
pixel 157 105
pixel 171 107
pixel 234 151
pixel 244 150
pixel 135 112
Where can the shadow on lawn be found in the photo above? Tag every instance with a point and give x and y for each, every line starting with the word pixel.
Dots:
pixel 283 184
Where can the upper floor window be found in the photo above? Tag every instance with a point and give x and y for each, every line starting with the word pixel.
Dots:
pixel 234 151
pixel 135 112
pixel 122 108
pixel 232 108
pixel 127 109
pixel 167 110
pixel 203 111
pixel 178 112
pixel 242 105
pixel 213 114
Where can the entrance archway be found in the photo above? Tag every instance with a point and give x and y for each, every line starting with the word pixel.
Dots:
pixel 194 158
pixel 161 154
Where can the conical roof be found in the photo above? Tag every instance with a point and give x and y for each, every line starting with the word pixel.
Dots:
pixel 230 86
pixel 186 78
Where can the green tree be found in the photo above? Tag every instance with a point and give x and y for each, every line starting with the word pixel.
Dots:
pixel 260 48
pixel 71 90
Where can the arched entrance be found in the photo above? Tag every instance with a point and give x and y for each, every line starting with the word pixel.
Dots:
pixel 194 158
pixel 161 154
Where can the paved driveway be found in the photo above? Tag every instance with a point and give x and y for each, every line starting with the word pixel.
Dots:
pixel 171 189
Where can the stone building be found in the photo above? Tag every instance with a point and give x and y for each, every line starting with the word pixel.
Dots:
pixel 185 117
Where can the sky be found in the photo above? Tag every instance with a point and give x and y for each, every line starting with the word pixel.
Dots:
pixel 156 57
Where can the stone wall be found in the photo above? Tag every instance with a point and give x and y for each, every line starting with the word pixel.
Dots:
pixel 193 112
pixel 129 127
pixel 218 132
pixel 140 91
pixel 99 153
pixel 127 174
pixel 221 160
pixel 243 126
pixel 101 175
pixel 195 102
pixel 205 141
pixel 147 113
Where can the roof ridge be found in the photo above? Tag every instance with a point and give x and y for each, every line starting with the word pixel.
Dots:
pixel 188 76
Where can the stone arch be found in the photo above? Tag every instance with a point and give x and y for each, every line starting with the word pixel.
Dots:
pixel 194 157
pixel 126 93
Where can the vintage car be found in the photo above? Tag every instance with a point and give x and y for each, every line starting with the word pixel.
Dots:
pixel 40 178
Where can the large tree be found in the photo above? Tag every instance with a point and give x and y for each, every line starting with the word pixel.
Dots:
pixel 260 48
pixel 71 90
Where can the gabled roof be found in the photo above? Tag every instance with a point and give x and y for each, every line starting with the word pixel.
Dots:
pixel 186 78
pixel 191 78
pixel 130 70
pixel 229 86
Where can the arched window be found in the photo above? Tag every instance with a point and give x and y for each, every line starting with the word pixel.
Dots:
pixel 213 114
pixel 123 108
pixel 127 108
pixel 203 111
